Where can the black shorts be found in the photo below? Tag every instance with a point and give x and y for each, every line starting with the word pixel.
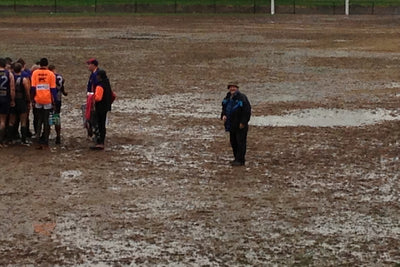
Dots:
pixel 4 108
pixel 20 107
pixel 57 107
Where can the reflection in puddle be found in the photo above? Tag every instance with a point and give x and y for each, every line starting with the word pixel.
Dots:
pixel 326 118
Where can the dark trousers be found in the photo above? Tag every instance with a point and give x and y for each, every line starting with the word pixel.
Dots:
pixel 238 140
pixel 101 124
pixel 43 121
pixel 35 112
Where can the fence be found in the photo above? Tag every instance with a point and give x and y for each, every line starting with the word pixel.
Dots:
pixel 379 7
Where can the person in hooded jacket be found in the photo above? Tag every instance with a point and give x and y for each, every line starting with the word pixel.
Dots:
pixel 236 112
pixel 102 104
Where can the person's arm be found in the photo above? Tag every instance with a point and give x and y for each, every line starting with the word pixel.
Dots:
pixel 223 112
pixel 98 95
pixel 27 86
pixel 33 87
pixel 246 112
pixel 53 95
pixel 63 88
pixel 93 81
pixel 12 89
pixel 53 88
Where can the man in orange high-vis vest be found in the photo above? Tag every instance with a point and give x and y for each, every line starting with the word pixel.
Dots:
pixel 44 91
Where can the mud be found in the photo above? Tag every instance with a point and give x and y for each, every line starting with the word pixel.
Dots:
pixel 163 193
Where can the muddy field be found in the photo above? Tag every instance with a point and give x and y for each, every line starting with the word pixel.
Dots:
pixel 320 186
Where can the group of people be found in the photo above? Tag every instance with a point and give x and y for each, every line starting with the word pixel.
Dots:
pixel 23 89
pixel 40 89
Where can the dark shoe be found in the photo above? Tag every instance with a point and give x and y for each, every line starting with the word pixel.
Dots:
pixel 237 163
pixel 97 147
pixel 42 141
pixel 58 140
pixel 26 143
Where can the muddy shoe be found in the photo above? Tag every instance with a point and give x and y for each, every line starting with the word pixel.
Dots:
pixel 97 147
pixel 237 163
pixel 26 142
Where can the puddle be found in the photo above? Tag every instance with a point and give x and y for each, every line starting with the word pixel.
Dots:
pixel 184 105
pixel 393 85
pixel 326 118
pixel 71 174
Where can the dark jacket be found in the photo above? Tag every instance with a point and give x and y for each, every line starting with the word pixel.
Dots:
pixel 237 110
pixel 105 104
pixel 92 83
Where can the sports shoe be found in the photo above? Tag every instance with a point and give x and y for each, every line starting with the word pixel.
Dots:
pixel 237 163
pixel 26 142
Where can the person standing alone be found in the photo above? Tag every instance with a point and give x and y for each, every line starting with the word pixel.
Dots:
pixel 236 112
pixel 45 93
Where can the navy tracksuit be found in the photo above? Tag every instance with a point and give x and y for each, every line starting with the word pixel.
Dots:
pixel 237 109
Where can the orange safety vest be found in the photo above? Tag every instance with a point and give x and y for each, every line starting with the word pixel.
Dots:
pixel 43 80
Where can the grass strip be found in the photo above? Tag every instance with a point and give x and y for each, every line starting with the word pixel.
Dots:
pixel 197 2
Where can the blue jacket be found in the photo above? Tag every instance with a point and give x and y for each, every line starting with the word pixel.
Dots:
pixel 237 110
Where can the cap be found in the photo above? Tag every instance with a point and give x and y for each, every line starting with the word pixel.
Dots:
pixel 236 84
pixel 92 61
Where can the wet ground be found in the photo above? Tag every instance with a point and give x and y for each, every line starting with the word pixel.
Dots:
pixel 320 186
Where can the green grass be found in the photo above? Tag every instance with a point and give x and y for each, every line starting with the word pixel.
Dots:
pixel 197 2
